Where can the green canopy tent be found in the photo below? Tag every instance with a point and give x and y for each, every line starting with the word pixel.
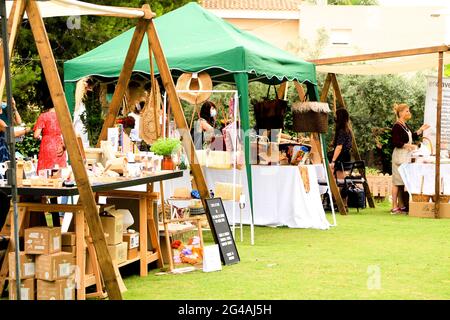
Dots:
pixel 194 40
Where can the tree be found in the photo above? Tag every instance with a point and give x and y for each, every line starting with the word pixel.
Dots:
pixel 69 38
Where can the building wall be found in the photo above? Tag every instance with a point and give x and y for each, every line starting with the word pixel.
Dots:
pixel 365 29
pixel 281 28
pixel 281 33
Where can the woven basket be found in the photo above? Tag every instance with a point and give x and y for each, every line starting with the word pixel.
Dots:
pixel 196 211
pixel 443 198
pixel 310 116
pixel 310 122
pixel 420 197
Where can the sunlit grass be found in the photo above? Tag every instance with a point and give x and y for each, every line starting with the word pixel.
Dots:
pixel 369 255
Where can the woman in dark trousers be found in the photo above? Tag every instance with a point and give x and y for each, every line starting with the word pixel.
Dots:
pixel 342 143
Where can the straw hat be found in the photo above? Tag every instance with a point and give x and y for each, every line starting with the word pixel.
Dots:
pixel 194 81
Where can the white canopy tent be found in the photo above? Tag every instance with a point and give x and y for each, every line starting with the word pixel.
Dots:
pixel 386 66
pixel 67 8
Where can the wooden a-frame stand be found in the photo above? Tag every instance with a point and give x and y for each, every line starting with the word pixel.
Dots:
pixel 145 24
pixel 315 137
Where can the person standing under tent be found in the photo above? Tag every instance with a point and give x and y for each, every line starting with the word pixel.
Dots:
pixel 52 150
pixel 402 142
pixel 4 123
pixel 134 133
pixel 204 126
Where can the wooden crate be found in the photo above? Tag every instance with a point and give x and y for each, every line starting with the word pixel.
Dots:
pixel 380 185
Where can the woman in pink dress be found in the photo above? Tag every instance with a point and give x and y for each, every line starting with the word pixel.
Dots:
pixel 52 151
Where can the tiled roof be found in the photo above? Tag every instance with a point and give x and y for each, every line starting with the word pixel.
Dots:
pixel 279 5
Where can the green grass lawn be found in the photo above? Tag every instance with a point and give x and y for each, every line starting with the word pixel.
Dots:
pixel 410 255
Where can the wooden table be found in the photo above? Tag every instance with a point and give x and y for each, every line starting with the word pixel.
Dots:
pixel 147 223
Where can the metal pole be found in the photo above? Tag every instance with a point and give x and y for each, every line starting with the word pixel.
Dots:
pixel 11 142
pixel 328 181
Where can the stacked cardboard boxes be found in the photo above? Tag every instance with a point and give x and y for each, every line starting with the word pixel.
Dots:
pixel 27 276
pixel 427 210
pixel 132 241
pixel 112 222
pixel 68 242
pixel 44 261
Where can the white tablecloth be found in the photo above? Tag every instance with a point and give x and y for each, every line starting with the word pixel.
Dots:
pixel 412 174
pixel 279 196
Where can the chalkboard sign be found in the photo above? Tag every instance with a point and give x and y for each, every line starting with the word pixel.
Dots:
pixel 221 231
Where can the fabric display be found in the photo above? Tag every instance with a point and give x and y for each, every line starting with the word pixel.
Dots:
pixel 305 177
pixel 149 122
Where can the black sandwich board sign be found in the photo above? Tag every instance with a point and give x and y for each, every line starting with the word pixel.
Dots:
pixel 221 231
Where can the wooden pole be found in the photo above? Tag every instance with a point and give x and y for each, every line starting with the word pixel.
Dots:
pixel 124 78
pixel 178 114
pixel 380 55
pixel 326 88
pixel 282 90
pixel 437 177
pixel 79 170
pixel 300 91
pixel 14 23
pixel 355 150
pixel 333 185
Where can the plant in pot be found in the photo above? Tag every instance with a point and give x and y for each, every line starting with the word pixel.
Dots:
pixel 166 147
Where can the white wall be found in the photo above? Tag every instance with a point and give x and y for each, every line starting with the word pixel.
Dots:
pixel 374 28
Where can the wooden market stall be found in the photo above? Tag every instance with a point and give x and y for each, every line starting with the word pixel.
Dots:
pixel 219 51
pixel 421 58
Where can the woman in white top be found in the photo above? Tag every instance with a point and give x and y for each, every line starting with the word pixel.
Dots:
pixel 83 86
pixel 204 126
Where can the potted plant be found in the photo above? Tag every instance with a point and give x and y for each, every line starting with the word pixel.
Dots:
pixel 166 147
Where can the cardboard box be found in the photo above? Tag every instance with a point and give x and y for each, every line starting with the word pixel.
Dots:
pixel 118 252
pixel 42 240
pixel 27 289
pixel 68 239
pixel 132 240
pixel 426 209
pixel 112 222
pixel 55 266
pixel 70 249
pixel 27 265
pixel 63 289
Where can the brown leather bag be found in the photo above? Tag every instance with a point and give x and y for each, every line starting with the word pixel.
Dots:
pixel 269 113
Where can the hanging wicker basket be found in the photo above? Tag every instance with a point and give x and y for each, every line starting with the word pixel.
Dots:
pixel 310 116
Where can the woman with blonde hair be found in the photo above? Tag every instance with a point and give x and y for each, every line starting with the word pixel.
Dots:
pixel 402 142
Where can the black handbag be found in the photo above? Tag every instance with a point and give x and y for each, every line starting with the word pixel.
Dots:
pixel 356 197
pixel 269 113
